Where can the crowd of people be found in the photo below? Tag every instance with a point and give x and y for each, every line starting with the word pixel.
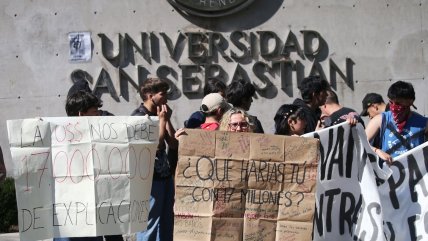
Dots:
pixel 393 128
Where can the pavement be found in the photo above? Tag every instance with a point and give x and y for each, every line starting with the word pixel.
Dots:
pixel 13 237
pixel 9 236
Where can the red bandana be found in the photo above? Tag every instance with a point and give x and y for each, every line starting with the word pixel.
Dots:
pixel 400 114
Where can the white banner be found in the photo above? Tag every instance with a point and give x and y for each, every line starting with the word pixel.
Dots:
pixel 348 205
pixel 78 177
pixel 405 196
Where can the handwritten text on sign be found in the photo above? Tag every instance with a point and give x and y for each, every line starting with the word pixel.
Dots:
pixel 88 174
pixel 242 186
pixel 404 196
pixel 348 206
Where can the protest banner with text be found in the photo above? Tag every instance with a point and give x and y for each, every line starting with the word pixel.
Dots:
pixel 404 196
pixel 359 197
pixel 82 176
pixel 348 204
pixel 244 186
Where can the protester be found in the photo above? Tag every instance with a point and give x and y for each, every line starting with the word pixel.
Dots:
pixel 81 84
pixel 314 92
pixel 213 106
pixel 198 117
pixel 240 94
pixel 373 105
pixel 236 120
pixel 83 103
pixel 333 113
pixel 161 216
pixel 399 129
pixel 290 120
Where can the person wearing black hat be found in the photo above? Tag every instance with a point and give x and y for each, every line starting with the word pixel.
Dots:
pixel 373 105
pixel 399 129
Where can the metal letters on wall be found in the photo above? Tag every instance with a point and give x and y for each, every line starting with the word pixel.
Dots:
pixel 264 52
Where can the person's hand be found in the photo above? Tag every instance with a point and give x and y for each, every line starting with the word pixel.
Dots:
pixel 162 112
pixel 168 112
pixel 383 155
pixel 179 133
pixel 352 120
pixel 319 126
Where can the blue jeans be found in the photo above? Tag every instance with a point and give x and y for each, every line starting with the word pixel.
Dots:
pixel 160 226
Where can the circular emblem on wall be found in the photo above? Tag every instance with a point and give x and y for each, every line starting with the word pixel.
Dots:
pixel 210 8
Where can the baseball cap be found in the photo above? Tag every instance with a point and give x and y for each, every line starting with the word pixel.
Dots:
pixel 213 101
pixel 369 99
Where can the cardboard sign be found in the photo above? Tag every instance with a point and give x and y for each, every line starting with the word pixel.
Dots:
pixel 244 186
pixel 92 175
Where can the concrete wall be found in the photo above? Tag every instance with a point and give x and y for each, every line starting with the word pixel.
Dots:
pixel 372 42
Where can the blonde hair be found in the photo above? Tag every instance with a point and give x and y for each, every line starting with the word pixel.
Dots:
pixel 225 120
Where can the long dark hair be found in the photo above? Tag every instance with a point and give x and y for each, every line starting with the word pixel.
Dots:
pixel 284 113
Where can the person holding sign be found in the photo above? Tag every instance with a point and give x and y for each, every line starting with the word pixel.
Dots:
pixel 333 113
pixel 373 105
pixel 236 120
pixel 399 129
pixel 83 103
pixel 81 84
pixel 161 216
